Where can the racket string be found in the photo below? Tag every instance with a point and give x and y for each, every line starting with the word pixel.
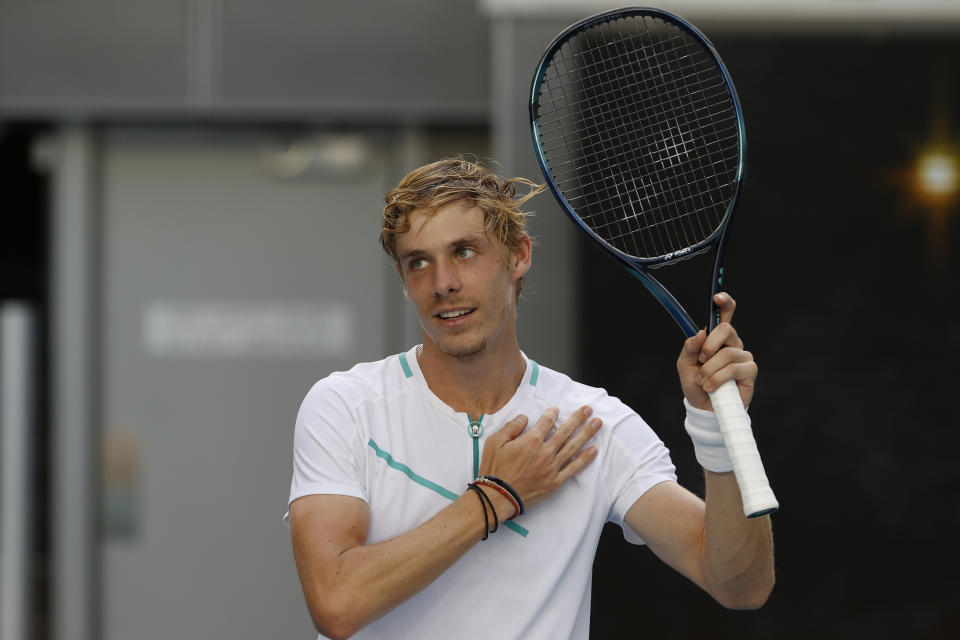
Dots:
pixel 575 77
pixel 593 157
pixel 674 97
pixel 649 184
pixel 611 178
pixel 623 225
pixel 712 122
pixel 652 111
pixel 615 88
pixel 678 91
pixel 692 196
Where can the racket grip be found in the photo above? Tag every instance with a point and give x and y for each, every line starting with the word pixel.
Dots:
pixel 755 491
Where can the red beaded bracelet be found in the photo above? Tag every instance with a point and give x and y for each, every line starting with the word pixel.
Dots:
pixel 506 494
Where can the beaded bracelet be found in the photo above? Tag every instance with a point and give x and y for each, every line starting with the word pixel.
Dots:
pixel 506 494
pixel 506 486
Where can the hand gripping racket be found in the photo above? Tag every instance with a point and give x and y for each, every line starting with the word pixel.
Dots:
pixel 638 131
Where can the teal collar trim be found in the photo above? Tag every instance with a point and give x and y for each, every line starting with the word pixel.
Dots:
pixel 405 365
pixel 408 372
pixel 432 486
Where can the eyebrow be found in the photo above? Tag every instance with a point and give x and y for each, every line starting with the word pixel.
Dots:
pixel 472 238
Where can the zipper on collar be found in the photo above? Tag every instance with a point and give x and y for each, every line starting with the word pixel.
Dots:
pixel 475 429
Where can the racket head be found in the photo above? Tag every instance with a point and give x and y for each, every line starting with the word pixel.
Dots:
pixel 638 130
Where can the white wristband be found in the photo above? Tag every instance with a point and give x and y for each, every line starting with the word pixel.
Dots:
pixel 704 430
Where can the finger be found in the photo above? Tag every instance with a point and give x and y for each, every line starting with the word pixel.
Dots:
pixel 727 304
pixel 690 352
pixel 510 430
pixel 545 423
pixel 723 358
pixel 585 457
pixel 579 440
pixel 744 373
pixel 723 335
pixel 566 429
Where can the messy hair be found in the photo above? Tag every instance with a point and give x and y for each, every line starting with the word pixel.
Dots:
pixel 439 183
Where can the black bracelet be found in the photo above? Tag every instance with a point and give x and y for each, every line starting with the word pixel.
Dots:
pixel 496 519
pixel 486 522
pixel 509 489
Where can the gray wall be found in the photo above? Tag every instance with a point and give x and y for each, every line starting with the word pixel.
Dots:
pixel 189 452
pixel 210 262
pixel 221 271
pixel 549 314
pixel 189 188
pixel 417 60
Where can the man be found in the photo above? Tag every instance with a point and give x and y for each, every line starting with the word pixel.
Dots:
pixel 388 538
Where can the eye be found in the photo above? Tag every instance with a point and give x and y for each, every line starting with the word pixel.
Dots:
pixel 465 252
pixel 417 263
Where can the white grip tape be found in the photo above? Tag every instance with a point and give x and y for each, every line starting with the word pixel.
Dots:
pixel 755 490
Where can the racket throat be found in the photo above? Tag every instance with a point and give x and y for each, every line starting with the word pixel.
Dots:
pixel 674 308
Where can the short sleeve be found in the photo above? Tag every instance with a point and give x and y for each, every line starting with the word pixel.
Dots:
pixel 635 461
pixel 326 459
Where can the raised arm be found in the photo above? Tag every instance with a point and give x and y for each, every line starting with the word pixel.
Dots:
pixel 349 583
pixel 711 542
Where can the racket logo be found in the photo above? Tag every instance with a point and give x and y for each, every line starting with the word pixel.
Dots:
pixel 678 253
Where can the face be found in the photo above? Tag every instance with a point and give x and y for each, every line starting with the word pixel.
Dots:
pixel 460 279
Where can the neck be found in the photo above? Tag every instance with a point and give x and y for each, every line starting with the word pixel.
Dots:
pixel 478 384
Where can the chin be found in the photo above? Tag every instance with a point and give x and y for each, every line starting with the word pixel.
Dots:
pixel 462 348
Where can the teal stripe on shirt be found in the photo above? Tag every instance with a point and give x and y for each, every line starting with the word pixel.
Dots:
pixel 407 471
pixel 433 486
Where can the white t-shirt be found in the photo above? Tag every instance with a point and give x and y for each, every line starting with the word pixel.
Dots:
pixel 378 433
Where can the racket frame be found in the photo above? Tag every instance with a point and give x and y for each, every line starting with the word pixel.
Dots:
pixel 757 497
pixel 636 265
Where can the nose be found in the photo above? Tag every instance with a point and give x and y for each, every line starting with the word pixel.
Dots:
pixel 445 280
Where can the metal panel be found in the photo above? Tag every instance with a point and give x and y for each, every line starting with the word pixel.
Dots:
pixel 809 16
pixel 225 227
pixel 419 56
pixel 70 156
pixel 17 425
pixel 417 61
pixel 75 52
pixel 549 312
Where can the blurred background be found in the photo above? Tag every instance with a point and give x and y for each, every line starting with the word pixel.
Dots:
pixel 190 207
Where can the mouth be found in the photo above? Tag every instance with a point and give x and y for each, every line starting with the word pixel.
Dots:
pixel 453 315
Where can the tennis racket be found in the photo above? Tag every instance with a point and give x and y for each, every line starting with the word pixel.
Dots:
pixel 638 131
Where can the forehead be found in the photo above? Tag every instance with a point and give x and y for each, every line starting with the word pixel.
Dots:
pixel 448 224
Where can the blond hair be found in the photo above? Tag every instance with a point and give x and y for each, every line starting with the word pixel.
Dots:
pixel 439 183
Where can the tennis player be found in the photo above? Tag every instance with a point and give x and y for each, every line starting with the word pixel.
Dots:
pixel 460 488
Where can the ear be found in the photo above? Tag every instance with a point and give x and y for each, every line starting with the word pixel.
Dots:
pixel 522 256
